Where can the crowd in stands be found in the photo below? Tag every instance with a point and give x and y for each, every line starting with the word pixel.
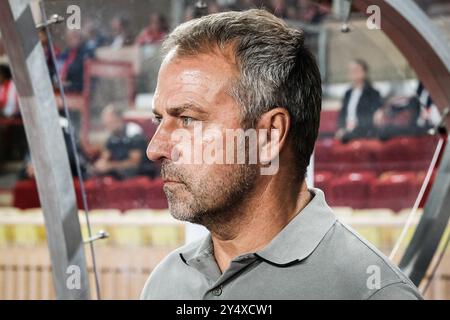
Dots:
pixel 307 11
pixel 123 155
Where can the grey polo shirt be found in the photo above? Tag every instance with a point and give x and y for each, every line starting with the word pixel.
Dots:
pixel 314 257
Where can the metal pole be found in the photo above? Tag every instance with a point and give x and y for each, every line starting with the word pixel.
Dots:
pixel 48 150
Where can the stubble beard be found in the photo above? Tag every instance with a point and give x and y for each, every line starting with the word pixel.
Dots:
pixel 211 201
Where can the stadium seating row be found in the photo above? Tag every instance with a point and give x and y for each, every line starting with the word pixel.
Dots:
pixel 398 154
pixel 364 189
pixel 102 193
pixel 393 190
pixel 360 174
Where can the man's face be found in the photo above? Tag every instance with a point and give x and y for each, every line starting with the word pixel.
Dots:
pixel 192 93
pixel 356 73
pixel 111 122
pixel 116 26
pixel 73 39
pixel 154 22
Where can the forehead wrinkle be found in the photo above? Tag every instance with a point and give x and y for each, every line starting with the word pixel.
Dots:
pixel 201 83
pixel 178 109
pixel 205 79
pixel 200 91
pixel 223 57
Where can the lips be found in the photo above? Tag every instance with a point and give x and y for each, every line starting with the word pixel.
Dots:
pixel 169 174
pixel 171 181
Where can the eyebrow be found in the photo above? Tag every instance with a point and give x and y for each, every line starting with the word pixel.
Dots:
pixel 177 110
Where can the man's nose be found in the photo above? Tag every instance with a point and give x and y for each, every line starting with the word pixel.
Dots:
pixel 159 147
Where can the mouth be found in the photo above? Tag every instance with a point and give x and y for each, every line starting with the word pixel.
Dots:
pixel 167 181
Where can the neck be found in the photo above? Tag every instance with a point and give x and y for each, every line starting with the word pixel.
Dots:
pixel 263 215
pixel 119 130
pixel 359 84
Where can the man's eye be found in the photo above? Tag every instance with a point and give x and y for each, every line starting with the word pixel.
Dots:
pixel 186 121
pixel 157 120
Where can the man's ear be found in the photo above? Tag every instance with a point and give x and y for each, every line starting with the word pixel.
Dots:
pixel 273 127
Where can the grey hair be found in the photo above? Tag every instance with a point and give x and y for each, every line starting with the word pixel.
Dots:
pixel 275 69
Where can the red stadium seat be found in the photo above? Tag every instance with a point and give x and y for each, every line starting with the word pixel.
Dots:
pixel 25 195
pixel 96 192
pixel 155 196
pixel 323 180
pixel 407 153
pixel 396 154
pixel 323 154
pixel 102 193
pixel 356 156
pixel 352 190
pixel 422 150
pixel 127 194
pixel 328 123
pixel 395 191
pixel 133 193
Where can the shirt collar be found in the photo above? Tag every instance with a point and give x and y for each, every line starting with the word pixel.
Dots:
pixel 199 248
pixel 302 235
pixel 295 242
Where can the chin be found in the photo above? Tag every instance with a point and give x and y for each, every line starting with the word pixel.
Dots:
pixel 181 213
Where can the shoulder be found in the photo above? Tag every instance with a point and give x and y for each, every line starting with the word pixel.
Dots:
pixel 400 290
pixel 110 141
pixel 370 89
pixel 169 270
pixel 374 275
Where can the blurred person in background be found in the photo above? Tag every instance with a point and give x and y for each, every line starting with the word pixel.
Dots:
pixel 407 116
pixel 280 8
pixel 120 36
pixel 8 106
pixel 71 61
pixel 199 9
pixel 9 103
pixel 155 31
pixel 312 11
pixel 242 5
pixel 213 7
pixel 92 36
pixel 188 13
pixel 12 137
pixel 359 105
pixel 123 155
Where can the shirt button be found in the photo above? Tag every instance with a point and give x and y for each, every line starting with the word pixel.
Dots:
pixel 217 291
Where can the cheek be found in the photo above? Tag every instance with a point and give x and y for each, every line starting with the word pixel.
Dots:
pixel 202 176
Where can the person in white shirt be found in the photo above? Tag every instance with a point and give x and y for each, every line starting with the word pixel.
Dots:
pixel 120 36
